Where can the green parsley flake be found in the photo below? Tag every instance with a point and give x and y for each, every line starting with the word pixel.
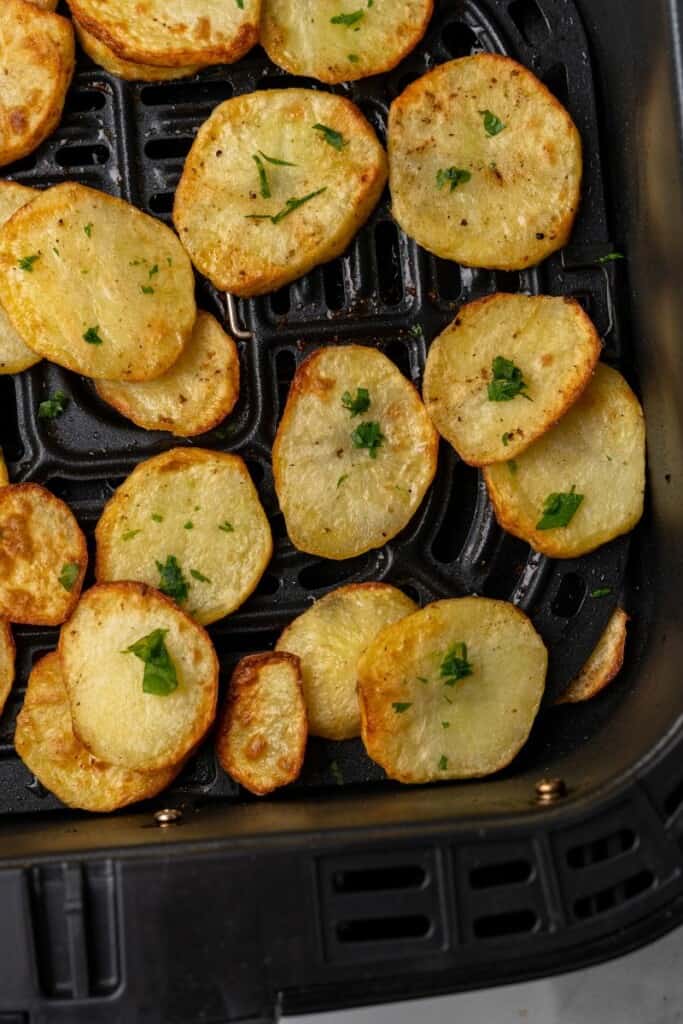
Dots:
pixel 559 509
pixel 610 257
pixel 189 525
pixel 348 19
pixel 26 262
pixel 452 176
pixel 154 270
pixel 357 405
pixel 332 137
pixel 455 664
pixel 69 575
pixel 226 527
pixel 92 336
pixel 422 679
pixel 507 382
pixel 601 592
pixel 512 466
pixel 445 725
pixel 197 575
pixel 172 582
pixel 507 437
pixel 290 206
pixel 53 406
pixel 240 4
pixel 274 160
pixel 401 706
pixel 492 124
pixel 157 517
pixel 368 435
pixel 443 763
pixel 341 480
pixel 159 677
pixel 264 184
pixel 88 230
pixel 146 289
pixel 353 57
pixel 130 534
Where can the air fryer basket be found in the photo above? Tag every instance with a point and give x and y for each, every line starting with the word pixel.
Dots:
pixel 347 888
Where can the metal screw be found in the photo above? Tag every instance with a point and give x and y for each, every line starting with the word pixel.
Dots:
pixel 168 816
pixel 550 790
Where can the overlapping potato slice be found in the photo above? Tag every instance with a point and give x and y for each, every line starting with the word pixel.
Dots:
pixel 43 556
pixel 582 483
pixel 96 285
pixel 488 409
pixel 328 639
pixel 7 652
pixel 603 665
pixel 45 741
pixel 261 737
pixel 4 475
pixel 485 164
pixel 452 691
pixel 15 356
pixel 107 59
pixel 191 523
pixel 276 182
pixel 46 5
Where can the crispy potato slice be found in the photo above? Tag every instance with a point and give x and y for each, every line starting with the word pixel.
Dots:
pixel 96 285
pixel 598 449
pixel 7 653
pixel 4 475
pixel 45 741
pixel 341 498
pixel 334 177
pixel 551 340
pixel 15 356
pixel 101 54
pixel 603 665
pixel 45 5
pixel 112 714
pixel 305 39
pixel 196 512
pixel 170 35
pixel 452 691
pixel 43 556
pixel 261 736
pixel 196 394
pixel 518 152
pixel 329 638
pixel 37 55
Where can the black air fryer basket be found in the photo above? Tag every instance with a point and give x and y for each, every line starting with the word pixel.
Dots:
pixel 344 889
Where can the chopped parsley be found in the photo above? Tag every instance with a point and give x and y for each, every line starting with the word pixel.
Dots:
pixel 492 124
pixel 341 480
pixel 507 437
pixel 53 406
pixel 332 137
pixel 154 270
pixel 172 582
pixel 264 184
pixel 146 289
pixel 274 160
pixel 157 517
pixel 353 57
pixel 197 575
pixel 357 405
pixel 601 592
pixel 88 230
pixel 507 382
pixel 69 575
pixel 130 534
pixel 226 527
pixel 422 679
pixel 452 176
pixel 26 262
pixel 610 257
pixel 368 435
pixel 159 677
pixel 401 706
pixel 443 763
pixel 189 525
pixel 92 336
pixel 512 466
pixel 455 664
pixel 445 725
pixel 290 206
pixel 240 4
pixel 559 509
pixel 348 19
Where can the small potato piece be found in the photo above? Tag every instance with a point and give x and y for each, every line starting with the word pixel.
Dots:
pixel 329 638
pixel 101 54
pixel 598 449
pixel 305 39
pixel 233 208
pixel 199 510
pixel 196 394
pixel 424 716
pixel 551 340
pixel 43 556
pixel 95 285
pixel 603 665
pixel 7 652
pixel 4 475
pixel 15 356
pixel 340 498
pixel 45 741
pixel 261 738
pixel 485 164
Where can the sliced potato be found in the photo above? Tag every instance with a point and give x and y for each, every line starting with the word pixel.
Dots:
pixel 117 713
pixel 45 741
pixel 15 356
pixel 261 737
pixel 37 55
pixel 350 479
pixel 43 556
pixel 96 285
pixel 4 475
pixel 550 340
pixel 196 394
pixel 101 54
pixel 342 40
pixel 196 513
pixel 46 5
pixel 252 223
pixel 485 164
pixel 596 451
pixel 329 638
pixel 452 691
pixel 7 652
pixel 603 665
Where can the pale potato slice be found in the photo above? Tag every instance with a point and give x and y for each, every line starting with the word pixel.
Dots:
pixel 349 483
pixel 196 394
pixel 117 712
pixel 261 737
pixel 342 40
pixel 96 285
pixel 550 340
pixel 173 34
pixel 452 691
pixel 107 59
pixel 37 55
pixel 45 741
pixel 7 652
pixel 4 475
pixel 43 556
pixel 329 638
pixel 46 5
pixel 15 356
pixel 196 513
pixel 485 164
pixel 598 451
pixel 603 665
pixel 251 224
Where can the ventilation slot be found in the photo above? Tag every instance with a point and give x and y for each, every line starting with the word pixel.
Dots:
pixel 86 100
pixel 459 40
pixel 285 368
pixel 570 596
pixel 321 575
pixel 674 800
pixel 12 446
pixel 529 20
pixel 614 896
pixel 280 302
pixel 513 872
pixel 387 929
pixel 508 281
pixel 448 280
pixel 269 585
pixel 388 263
pixel 460 505
pixel 605 848
pixel 175 94
pixel 333 282
pixel 161 202
pixel 556 80
pixel 287 82
pixel 168 149
pixel 410 876
pixel 399 354
pixel 82 156
pixel 498 926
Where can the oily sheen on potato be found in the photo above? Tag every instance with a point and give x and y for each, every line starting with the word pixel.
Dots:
pixel 276 182
pixel 604 663
pixel 15 356
pixel 7 653
pixel 451 691
pixel 485 164
pixel 507 368
pixel 103 55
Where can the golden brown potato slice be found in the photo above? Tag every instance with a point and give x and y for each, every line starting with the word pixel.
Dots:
pixel 107 59
pixel 354 454
pixel 4 475
pixel 189 522
pixel 141 675
pixel 507 368
pixel 604 663
pixel 261 737
pixel 452 691
pixel 96 285
pixel 46 5
pixel 342 41
pixel 329 638
pixel 485 164
pixel 15 356
pixel 196 394
pixel 43 556
pixel 45 741
pixel 7 653
pixel 277 182
pixel 37 56
pixel 582 483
